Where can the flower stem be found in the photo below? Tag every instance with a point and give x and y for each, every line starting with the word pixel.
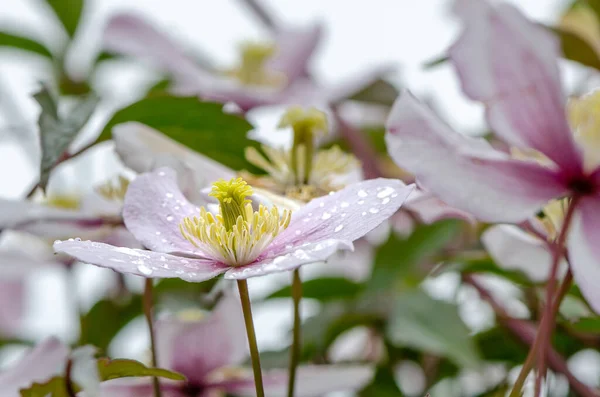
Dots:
pixel 68 382
pixel 547 321
pixel 147 303
pixel 296 343
pixel 247 309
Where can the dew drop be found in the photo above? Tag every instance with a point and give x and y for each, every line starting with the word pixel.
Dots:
pixel 321 205
pixel 71 239
pixel 162 258
pixel 373 210
pixel 298 232
pixel 77 239
pixel 385 200
pixel 362 193
pixel 169 218
pixel 326 215
pixel 385 192
pixel 176 208
pixel 338 228
pixel 57 242
pixel 361 202
pixel 158 233
pixel 169 195
pixel 344 204
pixel 144 269
pixel 289 246
pixel 162 173
pixel 394 195
pixel 364 213
pixel 344 215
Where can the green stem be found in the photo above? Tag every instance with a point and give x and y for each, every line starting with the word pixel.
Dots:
pixel 247 309
pixel 296 343
pixel 527 366
pixel 147 303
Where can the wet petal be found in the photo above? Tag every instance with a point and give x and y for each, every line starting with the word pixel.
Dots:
pixel 430 208
pixel 130 35
pixel 514 249
pixel 295 47
pixel 311 381
pixel 292 257
pixel 584 249
pixel 196 348
pixel 510 64
pixel 44 361
pixel 140 262
pixel 154 208
pixel 465 172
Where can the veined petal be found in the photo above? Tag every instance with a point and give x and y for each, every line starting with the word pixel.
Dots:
pixel 44 361
pixel 510 64
pixel 140 262
pixel 196 348
pixel 514 249
pixel 584 249
pixel 130 35
pixel 295 47
pixel 311 381
pixel 154 208
pixel 465 172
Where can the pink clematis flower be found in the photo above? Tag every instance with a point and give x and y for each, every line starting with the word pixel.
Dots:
pixel 192 244
pixel 210 352
pixel 510 64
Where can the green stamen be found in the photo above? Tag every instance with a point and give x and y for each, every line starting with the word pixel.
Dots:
pixel 232 196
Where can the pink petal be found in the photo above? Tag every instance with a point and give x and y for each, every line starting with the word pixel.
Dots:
pixel 430 209
pixel 195 348
pixel 312 381
pixel 510 64
pixel 295 47
pixel 12 305
pixel 584 249
pixel 44 361
pixel 465 172
pixel 345 89
pixel 514 249
pixel 139 262
pixel 154 208
pixel 130 35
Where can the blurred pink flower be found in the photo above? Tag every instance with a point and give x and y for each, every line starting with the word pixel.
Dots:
pixel 156 213
pixel 210 351
pixel 510 64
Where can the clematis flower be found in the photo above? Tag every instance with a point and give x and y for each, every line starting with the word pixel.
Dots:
pixel 510 64
pixel 210 350
pixel 195 245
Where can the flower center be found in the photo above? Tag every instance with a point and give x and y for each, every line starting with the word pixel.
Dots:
pixel 252 68
pixel 114 190
pixel 584 119
pixel 238 234
pixel 65 201
pixel 553 215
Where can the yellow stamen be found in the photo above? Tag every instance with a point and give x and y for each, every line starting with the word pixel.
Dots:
pixel 584 118
pixel 238 235
pixel 252 69
pixel 553 215
pixel 65 201
pixel 114 190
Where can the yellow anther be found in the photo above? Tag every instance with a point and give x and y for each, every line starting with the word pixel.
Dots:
pixel 305 121
pixel 252 69
pixel 66 201
pixel 114 190
pixel 584 117
pixel 553 217
pixel 232 196
pixel 191 315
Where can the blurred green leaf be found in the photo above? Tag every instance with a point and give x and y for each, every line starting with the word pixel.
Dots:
pixel 436 62
pixel 120 368
pixel 106 318
pixel 589 325
pixel 398 258
pixel 323 289
pixel 23 43
pixel 55 387
pixel 487 265
pixel 380 92
pixel 68 12
pixel 497 344
pixel 56 132
pixel 383 385
pixel 432 325
pixel 201 126
pixel 577 49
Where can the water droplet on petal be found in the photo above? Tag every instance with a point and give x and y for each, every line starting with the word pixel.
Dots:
pixel 162 258
pixel 158 233
pixel 364 213
pixel 394 195
pixel 344 204
pixel 71 239
pixel 298 232
pixel 321 205
pixel 170 218
pixel 385 192
pixel 362 193
pixel 326 215
pixel 162 173
pixel 385 200
pixel 361 202
pixel 57 242
pixel 344 215
pixel 144 269
pixel 338 228
pixel 169 195
pixel 373 210
pixel 176 208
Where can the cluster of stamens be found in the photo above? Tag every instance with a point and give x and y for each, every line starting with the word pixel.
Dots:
pixel 252 69
pixel 114 190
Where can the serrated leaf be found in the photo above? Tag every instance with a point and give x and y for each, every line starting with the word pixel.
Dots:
pixel 23 43
pixel 121 368
pixel 54 387
pixel 201 126
pixel 424 323
pixel 56 132
pixel 68 13
pixel 323 289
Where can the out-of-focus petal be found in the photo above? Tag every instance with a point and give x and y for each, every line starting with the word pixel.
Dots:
pixel 130 35
pixel 85 370
pixel 154 208
pixel 430 209
pixel 514 249
pixel 353 85
pixel 311 381
pixel 12 305
pixel 584 249
pixel 295 47
pixel 196 348
pixel 139 262
pixel 465 172
pixel 44 361
pixel 510 64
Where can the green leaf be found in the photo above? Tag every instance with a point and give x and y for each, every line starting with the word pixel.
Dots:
pixel 588 325
pixel 68 12
pixel 106 318
pixel 56 132
pixel 380 92
pixel 436 62
pixel 201 126
pixel 577 49
pixel 23 43
pixel 383 385
pixel 121 368
pixel 323 289
pixel 422 322
pixel 55 387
